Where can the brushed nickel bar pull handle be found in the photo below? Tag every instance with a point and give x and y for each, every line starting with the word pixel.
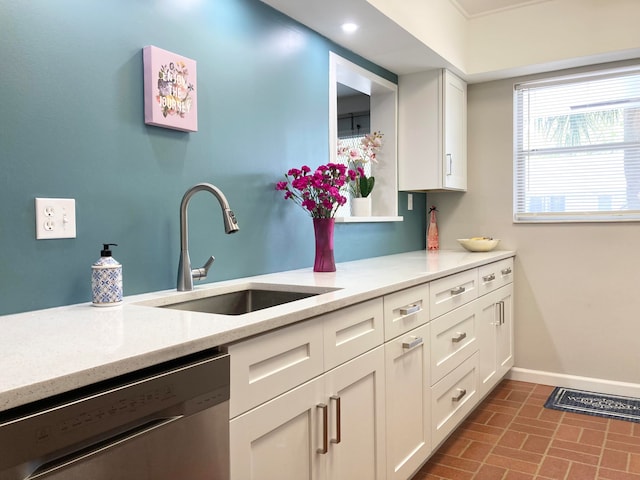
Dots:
pixel 338 420
pixel 490 277
pixel 459 337
pixel 506 271
pixel 409 309
pixel 501 306
pixel 325 435
pixel 449 164
pixel 412 344
pixel 458 290
pixel 461 393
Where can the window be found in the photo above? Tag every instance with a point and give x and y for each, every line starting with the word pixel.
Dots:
pixel 577 148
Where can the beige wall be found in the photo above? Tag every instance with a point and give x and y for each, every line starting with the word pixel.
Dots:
pixel 574 32
pixel 436 23
pixel 577 298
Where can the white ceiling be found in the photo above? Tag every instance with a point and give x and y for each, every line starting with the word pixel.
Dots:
pixel 379 39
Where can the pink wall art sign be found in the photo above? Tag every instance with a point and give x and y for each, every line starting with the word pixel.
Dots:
pixel 170 98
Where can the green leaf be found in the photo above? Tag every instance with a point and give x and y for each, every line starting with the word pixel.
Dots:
pixel 366 185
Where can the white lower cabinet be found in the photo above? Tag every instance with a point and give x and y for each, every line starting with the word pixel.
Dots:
pixel 371 390
pixel 408 403
pixel 331 427
pixel 356 446
pixel 279 439
pixel 495 335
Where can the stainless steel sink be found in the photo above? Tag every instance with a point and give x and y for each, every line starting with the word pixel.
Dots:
pixel 244 299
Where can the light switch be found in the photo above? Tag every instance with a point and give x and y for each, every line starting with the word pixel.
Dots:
pixel 55 218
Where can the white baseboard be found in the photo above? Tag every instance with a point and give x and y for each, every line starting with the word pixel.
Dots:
pixel 589 384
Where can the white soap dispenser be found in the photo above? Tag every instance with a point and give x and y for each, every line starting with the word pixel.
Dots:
pixel 106 279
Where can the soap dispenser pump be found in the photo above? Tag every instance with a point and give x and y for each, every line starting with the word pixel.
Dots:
pixel 106 279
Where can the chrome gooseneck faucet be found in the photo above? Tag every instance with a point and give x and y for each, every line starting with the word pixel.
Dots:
pixel 185 274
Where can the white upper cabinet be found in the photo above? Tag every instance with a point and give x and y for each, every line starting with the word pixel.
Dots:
pixel 432 131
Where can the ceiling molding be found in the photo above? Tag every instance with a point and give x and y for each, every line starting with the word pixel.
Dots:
pixel 479 8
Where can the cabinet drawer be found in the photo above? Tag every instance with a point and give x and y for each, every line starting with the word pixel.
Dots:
pixel 352 331
pixel 450 292
pixel 405 310
pixel 452 398
pixel 453 338
pixel 495 275
pixel 267 365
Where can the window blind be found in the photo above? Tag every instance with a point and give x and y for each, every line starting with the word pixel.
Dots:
pixel 577 148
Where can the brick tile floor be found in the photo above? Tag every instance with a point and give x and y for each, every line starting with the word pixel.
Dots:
pixel 511 436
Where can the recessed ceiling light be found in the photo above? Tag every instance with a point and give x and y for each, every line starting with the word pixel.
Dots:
pixel 349 27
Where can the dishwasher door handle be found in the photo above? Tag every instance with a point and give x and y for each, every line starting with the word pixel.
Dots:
pixel 89 451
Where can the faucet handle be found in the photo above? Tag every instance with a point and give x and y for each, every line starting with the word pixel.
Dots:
pixel 201 273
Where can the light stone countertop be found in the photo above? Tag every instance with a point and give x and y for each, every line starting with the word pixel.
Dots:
pixel 46 352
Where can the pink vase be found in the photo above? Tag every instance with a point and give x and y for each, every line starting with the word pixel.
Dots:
pixel 323 229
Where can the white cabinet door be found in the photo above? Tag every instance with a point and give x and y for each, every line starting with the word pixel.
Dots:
pixel 408 402
pixel 455 132
pixel 419 131
pixel 280 438
pixel 504 342
pixel 432 131
pixel 329 428
pixel 355 394
pixel 495 335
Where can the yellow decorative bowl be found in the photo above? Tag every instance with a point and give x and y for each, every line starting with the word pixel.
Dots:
pixel 479 244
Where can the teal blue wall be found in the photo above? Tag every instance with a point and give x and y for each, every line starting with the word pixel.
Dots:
pixel 72 126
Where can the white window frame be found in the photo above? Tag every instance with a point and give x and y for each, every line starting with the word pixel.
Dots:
pixel 520 215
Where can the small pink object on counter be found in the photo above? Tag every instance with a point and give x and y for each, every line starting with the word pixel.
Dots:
pixel 433 243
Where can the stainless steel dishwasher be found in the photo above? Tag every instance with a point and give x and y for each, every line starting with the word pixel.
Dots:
pixel 167 422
